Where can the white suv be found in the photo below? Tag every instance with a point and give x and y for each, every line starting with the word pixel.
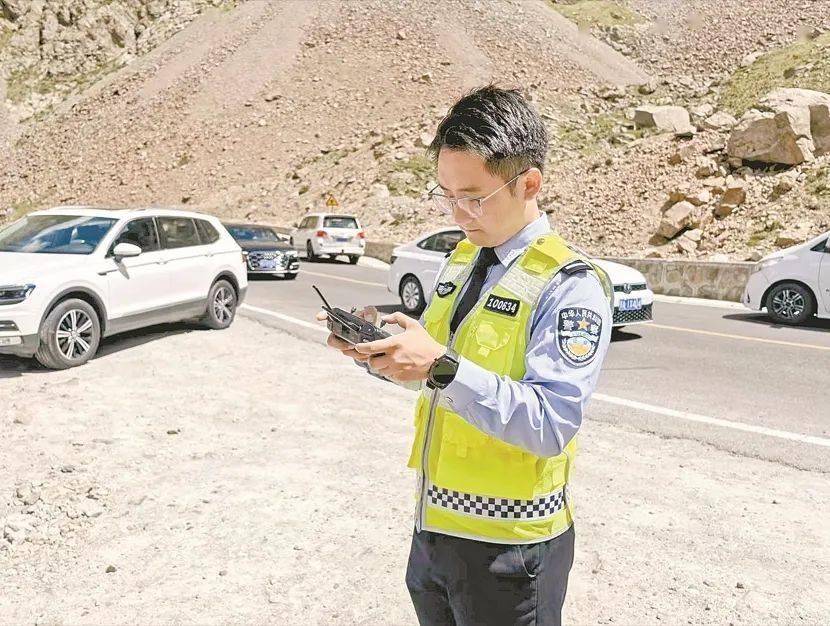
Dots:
pixel 70 276
pixel 329 234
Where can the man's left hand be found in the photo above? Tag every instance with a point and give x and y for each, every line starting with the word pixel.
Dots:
pixel 406 356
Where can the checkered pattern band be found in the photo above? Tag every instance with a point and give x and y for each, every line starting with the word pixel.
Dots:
pixel 498 508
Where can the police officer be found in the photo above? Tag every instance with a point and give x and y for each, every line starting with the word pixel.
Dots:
pixel 506 356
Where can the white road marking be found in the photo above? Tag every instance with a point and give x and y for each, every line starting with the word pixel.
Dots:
pixel 715 421
pixel 348 280
pixel 285 318
pixel 632 404
pixel 714 304
pixel 790 344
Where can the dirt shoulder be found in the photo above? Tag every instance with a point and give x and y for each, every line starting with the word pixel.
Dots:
pixel 247 476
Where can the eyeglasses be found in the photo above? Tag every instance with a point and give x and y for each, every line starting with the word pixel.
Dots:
pixel 471 206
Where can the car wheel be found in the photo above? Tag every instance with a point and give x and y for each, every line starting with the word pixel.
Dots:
pixel 291 276
pixel 353 259
pixel 790 303
pixel 412 295
pixel 309 252
pixel 221 307
pixel 69 336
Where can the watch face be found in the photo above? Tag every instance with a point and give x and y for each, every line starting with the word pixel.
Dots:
pixel 443 372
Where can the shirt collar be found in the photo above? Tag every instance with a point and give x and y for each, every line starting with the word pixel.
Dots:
pixel 513 247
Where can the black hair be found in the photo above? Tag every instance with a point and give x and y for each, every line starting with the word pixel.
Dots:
pixel 500 126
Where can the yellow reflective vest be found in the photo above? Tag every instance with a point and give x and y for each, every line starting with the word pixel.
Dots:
pixel 471 484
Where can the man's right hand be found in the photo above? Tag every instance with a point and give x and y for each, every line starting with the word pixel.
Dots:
pixel 369 314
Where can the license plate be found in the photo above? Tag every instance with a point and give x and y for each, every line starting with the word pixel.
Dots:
pixel 267 264
pixel 631 304
pixel 343 238
pixel 10 341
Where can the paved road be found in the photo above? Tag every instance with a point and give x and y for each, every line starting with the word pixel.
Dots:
pixel 679 377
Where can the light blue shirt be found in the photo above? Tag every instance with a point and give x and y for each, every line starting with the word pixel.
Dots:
pixel 543 411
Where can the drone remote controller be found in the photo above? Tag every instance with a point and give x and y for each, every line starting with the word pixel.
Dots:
pixel 348 327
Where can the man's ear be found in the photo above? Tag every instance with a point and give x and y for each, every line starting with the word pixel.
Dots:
pixel 532 183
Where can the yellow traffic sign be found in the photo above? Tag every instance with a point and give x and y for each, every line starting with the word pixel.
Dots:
pixel 331 202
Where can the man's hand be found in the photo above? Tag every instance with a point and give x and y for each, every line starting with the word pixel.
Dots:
pixel 406 356
pixel 370 314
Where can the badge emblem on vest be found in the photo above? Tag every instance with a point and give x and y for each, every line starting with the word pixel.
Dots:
pixel 445 289
pixel 505 306
pixel 578 332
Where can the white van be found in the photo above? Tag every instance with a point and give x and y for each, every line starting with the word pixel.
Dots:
pixel 792 284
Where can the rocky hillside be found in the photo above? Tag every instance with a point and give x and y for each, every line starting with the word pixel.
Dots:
pixel 262 109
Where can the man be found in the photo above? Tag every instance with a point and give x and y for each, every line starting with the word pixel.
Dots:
pixel 509 352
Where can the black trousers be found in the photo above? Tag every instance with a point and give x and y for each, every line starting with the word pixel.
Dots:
pixel 460 582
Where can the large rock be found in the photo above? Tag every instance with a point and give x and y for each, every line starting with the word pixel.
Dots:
pixel 666 118
pixel 820 127
pixel 790 126
pixel 719 121
pixel 732 197
pixel 677 218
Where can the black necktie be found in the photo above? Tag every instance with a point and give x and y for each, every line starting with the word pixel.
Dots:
pixel 486 259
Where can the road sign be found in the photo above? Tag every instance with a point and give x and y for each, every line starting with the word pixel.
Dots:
pixel 331 202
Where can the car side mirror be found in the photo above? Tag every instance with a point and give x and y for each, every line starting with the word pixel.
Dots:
pixel 125 250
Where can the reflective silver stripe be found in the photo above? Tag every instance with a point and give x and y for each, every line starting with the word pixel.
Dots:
pixel 523 284
pixel 497 508
pixel 452 272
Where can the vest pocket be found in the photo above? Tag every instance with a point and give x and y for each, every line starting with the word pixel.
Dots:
pixel 492 342
pixel 476 463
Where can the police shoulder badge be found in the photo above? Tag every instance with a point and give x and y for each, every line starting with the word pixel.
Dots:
pixel 445 289
pixel 577 336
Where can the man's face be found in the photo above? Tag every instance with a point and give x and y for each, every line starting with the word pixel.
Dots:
pixel 463 174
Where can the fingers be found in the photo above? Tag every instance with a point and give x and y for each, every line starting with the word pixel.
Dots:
pixel 321 316
pixel 370 314
pixel 379 363
pixel 373 347
pixel 401 319
pixel 335 342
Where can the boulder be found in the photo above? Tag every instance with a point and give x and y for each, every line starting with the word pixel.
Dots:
pixel 719 121
pixel 676 219
pixel 706 167
pixel 790 126
pixel 820 127
pixel 684 244
pixel 700 197
pixel 733 196
pixel 769 138
pixel 665 118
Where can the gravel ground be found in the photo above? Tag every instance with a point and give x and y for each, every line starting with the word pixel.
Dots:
pixel 184 477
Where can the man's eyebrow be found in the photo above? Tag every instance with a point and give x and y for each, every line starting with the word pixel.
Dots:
pixel 464 190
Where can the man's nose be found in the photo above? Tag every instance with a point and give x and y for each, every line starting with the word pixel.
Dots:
pixel 461 217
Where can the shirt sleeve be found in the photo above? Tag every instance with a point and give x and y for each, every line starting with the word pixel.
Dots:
pixel 542 412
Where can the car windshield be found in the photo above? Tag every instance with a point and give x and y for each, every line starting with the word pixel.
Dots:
pixel 339 221
pixel 252 233
pixel 55 234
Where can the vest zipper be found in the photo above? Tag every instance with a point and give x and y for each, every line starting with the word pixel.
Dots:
pixel 422 505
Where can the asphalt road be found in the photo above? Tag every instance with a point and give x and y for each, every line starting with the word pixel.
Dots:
pixel 717 374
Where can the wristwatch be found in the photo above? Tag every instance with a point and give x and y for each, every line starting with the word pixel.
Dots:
pixel 442 371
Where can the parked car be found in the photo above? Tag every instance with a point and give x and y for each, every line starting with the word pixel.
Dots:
pixel 329 234
pixel 265 251
pixel 792 284
pixel 415 265
pixel 70 276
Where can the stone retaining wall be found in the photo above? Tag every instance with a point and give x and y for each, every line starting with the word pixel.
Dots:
pixel 695 279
